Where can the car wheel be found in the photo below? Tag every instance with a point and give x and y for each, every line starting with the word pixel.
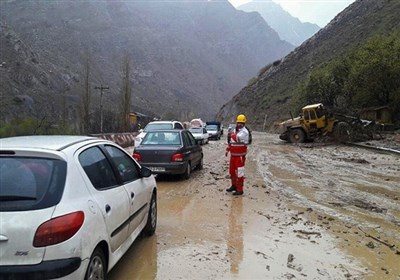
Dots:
pixel 97 268
pixel 151 224
pixel 200 165
pixel 188 170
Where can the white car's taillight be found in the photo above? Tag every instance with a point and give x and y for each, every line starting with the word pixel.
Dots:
pixel 58 229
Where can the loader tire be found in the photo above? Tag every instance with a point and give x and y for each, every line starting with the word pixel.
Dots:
pixel 297 136
pixel 341 132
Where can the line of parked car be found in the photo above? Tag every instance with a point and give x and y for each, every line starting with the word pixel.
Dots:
pixel 71 206
pixel 165 147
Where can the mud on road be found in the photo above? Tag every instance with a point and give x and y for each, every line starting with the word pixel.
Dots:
pixel 310 211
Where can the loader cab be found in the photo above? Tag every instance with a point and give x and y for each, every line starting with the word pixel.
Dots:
pixel 314 117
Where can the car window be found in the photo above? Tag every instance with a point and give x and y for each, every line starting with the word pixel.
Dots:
pixel 188 139
pixel 178 126
pixel 161 138
pixel 97 168
pixel 186 142
pixel 127 168
pixel 29 183
pixel 172 138
pixel 153 138
pixel 157 126
pixel 192 141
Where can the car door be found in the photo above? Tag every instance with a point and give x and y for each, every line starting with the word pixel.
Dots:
pixel 192 149
pixel 138 189
pixel 111 198
pixel 205 135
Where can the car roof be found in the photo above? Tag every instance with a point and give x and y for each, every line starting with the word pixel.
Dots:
pixel 164 122
pixel 49 142
pixel 166 130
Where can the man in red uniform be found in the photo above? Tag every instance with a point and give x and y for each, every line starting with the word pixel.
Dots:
pixel 237 146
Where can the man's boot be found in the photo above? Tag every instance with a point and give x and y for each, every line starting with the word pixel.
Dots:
pixel 231 189
pixel 237 193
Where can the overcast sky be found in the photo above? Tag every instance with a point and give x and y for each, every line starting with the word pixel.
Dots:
pixel 320 12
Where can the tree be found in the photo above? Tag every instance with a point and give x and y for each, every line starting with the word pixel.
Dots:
pixel 325 85
pixel 367 76
pixel 375 74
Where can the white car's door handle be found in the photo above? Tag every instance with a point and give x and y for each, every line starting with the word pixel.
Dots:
pixel 108 208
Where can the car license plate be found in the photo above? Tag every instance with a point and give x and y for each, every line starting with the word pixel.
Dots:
pixel 157 169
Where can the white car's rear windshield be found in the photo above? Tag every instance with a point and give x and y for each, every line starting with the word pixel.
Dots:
pixel 161 138
pixel 29 183
pixel 158 126
pixel 212 127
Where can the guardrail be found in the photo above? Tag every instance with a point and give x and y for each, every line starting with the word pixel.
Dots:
pixel 379 149
pixel 123 139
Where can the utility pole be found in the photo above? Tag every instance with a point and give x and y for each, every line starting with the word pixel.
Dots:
pixel 265 121
pixel 101 88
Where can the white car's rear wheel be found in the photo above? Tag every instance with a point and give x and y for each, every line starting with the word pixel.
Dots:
pixel 97 268
pixel 151 225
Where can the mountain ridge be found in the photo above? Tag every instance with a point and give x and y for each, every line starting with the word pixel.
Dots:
pixel 181 53
pixel 289 28
pixel 268 99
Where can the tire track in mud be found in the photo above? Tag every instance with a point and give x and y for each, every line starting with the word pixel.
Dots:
pixel 353 193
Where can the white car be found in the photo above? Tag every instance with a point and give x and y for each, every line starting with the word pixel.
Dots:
pixel 70 206
pixel 200 134
pixel 157 125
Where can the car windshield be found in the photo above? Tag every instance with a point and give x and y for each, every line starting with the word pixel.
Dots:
pixel 196 130
pixel 158 126
pixel 161 138
pixel 30 183
pixel 212 127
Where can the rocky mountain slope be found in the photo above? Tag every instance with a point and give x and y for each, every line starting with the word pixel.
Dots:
pixel 187 57
pixel 267 99
pixel 289 28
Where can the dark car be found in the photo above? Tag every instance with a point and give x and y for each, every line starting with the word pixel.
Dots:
pixel 170 152
pixel 214 131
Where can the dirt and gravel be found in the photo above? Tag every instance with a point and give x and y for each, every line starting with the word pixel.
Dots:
pixel 310 211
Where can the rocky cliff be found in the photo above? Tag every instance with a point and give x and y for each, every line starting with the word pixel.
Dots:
pixel 187 57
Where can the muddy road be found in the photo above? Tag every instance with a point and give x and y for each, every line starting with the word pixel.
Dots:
pixel 312 211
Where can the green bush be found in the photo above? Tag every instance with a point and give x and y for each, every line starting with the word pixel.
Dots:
pixel 32 126
pixel 365 77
